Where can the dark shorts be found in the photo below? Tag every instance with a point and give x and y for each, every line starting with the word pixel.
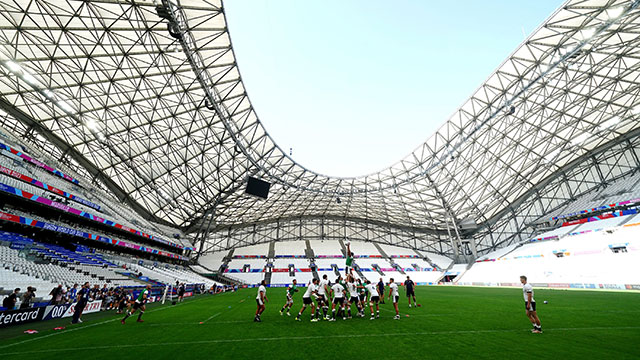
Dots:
pixel 410 293
pixel 353 299
pixel 533 305
pixel 322 299
pixel 181 293
pixel 396 298
pixel 363 297
pixel 307 301
pixel 374 299
pixel 137 305
pixel 338 301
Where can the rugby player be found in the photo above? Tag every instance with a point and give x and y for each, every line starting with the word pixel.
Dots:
pixel 290 291
pixel 353 295
pixel 374 298
pixel 362 294
pixel 323 297
pixel 393 291
pixel 337 290
pixel 349 261
pixel 409 286
pixel 312 290
pixel 140 302
pixel 261 298
pixel 530 305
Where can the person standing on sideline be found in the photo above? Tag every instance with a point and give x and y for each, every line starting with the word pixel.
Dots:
pixel 83 298
pixel 10 301
pixel 26 297
pixel 260 300
pixel 381 290
pixel 409 286
pixel 72 293
pixel 181 291
pixel 530 305
pixel 393 292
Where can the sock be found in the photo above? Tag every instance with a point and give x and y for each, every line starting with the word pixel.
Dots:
pixel 142 312
pixel 349 311
pixel 126 315
pixel 333 313
pixel 324 310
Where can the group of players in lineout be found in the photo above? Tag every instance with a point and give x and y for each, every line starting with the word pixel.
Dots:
pixel 323 291
pixel 334 295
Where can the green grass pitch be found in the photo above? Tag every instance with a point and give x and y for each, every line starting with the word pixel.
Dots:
pixel 453 323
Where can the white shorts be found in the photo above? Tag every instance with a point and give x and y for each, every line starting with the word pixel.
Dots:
pixel 259 302
pixel 289 299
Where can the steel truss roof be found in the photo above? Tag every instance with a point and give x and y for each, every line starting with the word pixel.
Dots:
pixel 157 106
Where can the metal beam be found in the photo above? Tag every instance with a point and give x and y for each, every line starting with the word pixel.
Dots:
pixel 81 159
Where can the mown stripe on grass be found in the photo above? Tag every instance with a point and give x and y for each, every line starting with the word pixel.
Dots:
pixel 294 338
pixel 80 327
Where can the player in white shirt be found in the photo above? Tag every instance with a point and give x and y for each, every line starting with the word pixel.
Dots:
pixel 374 298
pixel 307 299
pixel 323 297
pixel 393 291
pixel 530 305
pixel 353 295
pixel 260 300
pixel 337 290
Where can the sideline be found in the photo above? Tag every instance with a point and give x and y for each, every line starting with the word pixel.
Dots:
pixel 293 338
pixel 169 306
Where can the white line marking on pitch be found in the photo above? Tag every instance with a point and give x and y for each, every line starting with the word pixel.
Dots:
pixel 211 317
pixel 452 332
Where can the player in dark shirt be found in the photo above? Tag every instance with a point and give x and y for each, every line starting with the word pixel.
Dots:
pixel 181 290
pixel 83 299
pixel 381 290
pixel 410 288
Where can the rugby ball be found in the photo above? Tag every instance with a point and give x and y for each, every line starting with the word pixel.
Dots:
pixel 546 302
pixel 419 305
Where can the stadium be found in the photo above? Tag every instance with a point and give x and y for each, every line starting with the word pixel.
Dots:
pixel 136 177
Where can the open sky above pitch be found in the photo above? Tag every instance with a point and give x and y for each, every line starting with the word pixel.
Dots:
pixel 354 86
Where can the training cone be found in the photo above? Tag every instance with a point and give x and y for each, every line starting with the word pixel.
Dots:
pixel 407 315
pixel 59 328
pixel 31 331
pixel 201 322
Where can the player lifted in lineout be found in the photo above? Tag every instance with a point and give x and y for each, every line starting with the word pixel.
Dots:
pixel 140 302
pixel 349 261
pixel 293 288
pixel 312 291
